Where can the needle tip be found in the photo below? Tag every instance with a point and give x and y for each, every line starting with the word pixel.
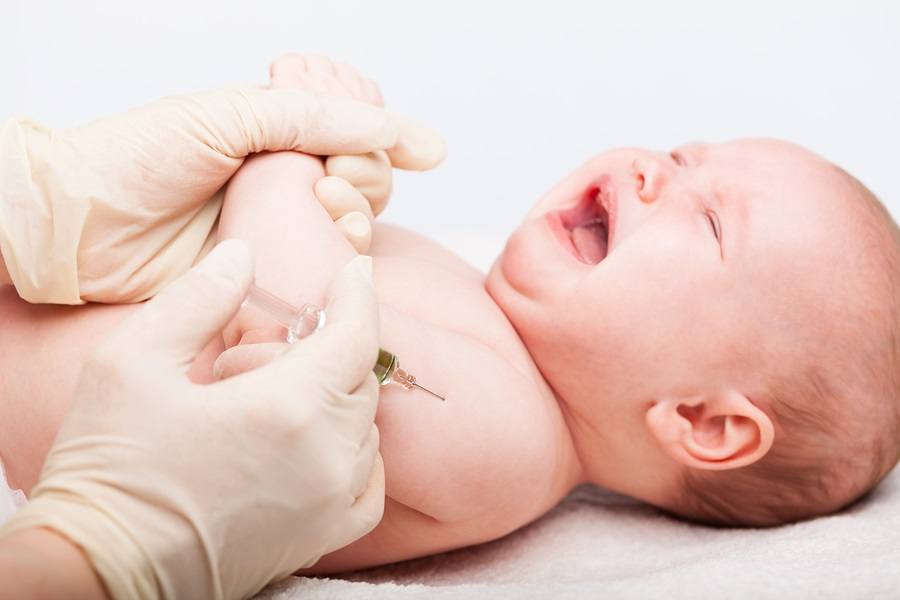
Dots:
pixel 421 387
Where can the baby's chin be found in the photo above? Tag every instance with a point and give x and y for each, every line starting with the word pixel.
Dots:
pixel 520 273
pixel 527 285
pixel 534 267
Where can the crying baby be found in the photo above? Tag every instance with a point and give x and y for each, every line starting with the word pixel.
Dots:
pixel 712 330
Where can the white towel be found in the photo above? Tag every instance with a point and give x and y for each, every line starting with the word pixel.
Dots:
pixel 10 499
pixel 599 545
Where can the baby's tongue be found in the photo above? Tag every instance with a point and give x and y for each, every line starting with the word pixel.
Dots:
pixel 590 241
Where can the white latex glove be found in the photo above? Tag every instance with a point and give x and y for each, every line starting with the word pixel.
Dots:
pixel 357 186
pixel 112 211
pixel 211 491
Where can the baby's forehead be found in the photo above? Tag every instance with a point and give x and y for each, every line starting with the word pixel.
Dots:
pixel 776 157
pixel 799 231
pixel 777 177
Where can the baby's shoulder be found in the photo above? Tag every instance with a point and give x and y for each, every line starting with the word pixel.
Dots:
pixel 391 241
pixel 426 281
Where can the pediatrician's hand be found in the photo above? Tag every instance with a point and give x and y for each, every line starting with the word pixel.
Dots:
pixel 211 491
pixel 112 211
pixel 357 186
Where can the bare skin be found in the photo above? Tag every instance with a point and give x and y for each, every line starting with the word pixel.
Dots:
pixel 493 457
pixel 649 328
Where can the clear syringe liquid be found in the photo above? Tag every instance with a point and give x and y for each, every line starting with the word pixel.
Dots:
pixel 303 321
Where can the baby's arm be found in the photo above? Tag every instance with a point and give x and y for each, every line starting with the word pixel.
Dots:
pixel 270 203
pixel 446 464
pixel 452 469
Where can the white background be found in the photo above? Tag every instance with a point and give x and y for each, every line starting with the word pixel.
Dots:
pixel 522 91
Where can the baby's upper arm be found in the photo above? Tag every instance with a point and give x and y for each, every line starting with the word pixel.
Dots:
pixel 270 203
pixel 458 472
pixel 462 459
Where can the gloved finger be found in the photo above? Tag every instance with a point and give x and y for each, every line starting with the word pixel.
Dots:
pixel 365 513
pixel 357 229
pixel 365 461
pixel 291 119
pixel 369 173
pixel 369 506
pixel 355 413
pixel 339 198
pixel 246 357
pixel 343 353
pixel 178 323
pixel 418 148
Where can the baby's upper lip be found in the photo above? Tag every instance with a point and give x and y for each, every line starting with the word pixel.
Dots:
pixel 597 201
pixel 601 191
pixel 608 196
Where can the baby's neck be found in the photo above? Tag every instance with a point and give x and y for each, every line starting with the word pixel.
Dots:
pixel 570 470
pixel 615 455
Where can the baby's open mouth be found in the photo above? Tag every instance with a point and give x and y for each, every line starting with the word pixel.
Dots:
pixel 587 224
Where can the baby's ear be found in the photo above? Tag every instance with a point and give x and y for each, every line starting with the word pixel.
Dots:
pixel 724 430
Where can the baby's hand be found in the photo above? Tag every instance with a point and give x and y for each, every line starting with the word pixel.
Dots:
pixel 322 75
pixel 356 187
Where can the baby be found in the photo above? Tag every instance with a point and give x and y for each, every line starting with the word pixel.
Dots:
pixel 712 330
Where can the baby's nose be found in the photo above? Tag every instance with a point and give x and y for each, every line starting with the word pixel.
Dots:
pixel 651 173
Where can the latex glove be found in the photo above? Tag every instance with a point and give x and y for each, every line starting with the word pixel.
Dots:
pixel 357 186
pixel 174 489
pixel 112 211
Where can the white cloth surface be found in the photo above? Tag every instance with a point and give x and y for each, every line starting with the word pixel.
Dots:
pixel 10 500
pixel 599 545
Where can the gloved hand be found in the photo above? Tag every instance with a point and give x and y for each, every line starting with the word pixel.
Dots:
pixel 112 211
pixel 174 489
pixel 357 186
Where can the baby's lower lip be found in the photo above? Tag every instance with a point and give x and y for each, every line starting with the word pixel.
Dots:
pixel 578 219
pixel 561 233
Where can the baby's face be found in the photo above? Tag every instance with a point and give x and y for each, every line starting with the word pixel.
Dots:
pixel 645 273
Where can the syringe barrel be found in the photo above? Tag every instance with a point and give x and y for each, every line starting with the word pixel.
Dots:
pixel 299 322
pixel 306 321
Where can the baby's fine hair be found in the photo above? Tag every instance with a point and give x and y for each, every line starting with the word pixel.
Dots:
pixel 837 427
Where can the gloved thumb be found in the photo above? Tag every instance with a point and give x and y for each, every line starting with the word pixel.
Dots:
pixel 343 352
pixel 177 324
pixel 418 148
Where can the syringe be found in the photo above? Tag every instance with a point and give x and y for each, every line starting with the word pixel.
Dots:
pixel 301 322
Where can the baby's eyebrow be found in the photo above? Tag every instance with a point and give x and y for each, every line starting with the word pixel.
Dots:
pixel 693 152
